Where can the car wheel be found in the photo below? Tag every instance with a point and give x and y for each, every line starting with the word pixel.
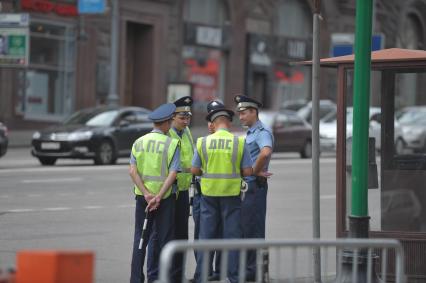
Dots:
pixel 306 150
pixel 399 146
pixel 105 154
pixel 47 160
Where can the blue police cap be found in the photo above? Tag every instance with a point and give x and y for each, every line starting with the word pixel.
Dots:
pixel 183 105
pixel 244 102
pixel 162 113
pixel 216 109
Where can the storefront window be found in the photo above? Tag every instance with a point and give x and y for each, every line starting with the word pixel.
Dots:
pixel 204 58
pixel 293 27
pixel 48 83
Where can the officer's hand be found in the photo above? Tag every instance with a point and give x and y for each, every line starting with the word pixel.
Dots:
pixel 148 197
pixel 265 174
pixel 154 203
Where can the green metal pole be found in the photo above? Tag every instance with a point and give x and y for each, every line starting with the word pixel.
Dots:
pixel 364 12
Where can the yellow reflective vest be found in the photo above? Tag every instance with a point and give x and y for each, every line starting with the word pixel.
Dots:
pixel 186 154
pixel 221 155
pixel 154 153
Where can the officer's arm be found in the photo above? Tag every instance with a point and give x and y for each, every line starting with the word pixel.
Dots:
pixel 167 184
pixel 196 171
pixel 246 171
pixel 263 157
pixel 137 179
pixel 196 164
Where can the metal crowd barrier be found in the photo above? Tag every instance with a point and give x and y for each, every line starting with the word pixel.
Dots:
pixel 342 260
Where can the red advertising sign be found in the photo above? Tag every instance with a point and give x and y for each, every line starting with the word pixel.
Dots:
pixel 204 79
pixel 46 6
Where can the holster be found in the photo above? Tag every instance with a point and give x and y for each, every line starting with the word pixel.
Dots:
pixel 261 181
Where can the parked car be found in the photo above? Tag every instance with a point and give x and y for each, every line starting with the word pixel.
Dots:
pixel 293 105
pixel 4 141
pixel 325 108
pixel 375 131
pixel 291 133
pixel 101 133
pixel 413 127
pixel 328 128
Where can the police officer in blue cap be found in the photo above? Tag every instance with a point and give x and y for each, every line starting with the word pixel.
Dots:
pixel 181 132
pixel 221 159
pixel 154 164
pixel 260 142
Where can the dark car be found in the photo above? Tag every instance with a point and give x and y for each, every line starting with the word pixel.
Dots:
pixel 291 132
pixel 3 139
pixel 101 133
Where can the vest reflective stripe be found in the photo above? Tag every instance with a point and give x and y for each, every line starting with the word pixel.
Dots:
pixel 186 170
pixel 221 154
pixel 186 153
pixel 221 176
pixel 152 163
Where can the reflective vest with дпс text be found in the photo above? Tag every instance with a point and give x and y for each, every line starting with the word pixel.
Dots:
pixel 221 155
pixel 186 154
pixel 154 153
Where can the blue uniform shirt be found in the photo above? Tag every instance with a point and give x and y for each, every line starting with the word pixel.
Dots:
pixel 246 161
pixel 174 165
pixel 258 137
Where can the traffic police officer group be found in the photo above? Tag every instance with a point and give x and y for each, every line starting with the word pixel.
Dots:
pixel 160 168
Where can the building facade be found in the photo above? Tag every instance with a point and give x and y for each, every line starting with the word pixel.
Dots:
pixel 217 47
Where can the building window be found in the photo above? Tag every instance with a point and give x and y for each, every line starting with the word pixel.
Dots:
pixel 294 19
pixel 293 27
pixel 212 12
pixel 204 60
pixel 48 83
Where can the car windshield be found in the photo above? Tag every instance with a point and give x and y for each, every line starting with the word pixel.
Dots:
pixel 412 117
pixel 92 118
pixel 267 118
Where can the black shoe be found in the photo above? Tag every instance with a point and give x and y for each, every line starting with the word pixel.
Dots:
pixel 214 277
pixel 250 278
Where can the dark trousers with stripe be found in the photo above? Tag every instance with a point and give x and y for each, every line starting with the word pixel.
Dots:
pixel 196 212
pixel 161 223
pixel 253 213
pixel 181 216
pixel 220 213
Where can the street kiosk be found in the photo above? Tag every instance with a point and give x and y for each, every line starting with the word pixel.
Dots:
pixel 397 150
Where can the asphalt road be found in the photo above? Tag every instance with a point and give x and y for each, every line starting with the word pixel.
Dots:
pixel 76 205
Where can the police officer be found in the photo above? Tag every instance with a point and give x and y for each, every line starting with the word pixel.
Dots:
pixel 181 132
pixel 154 163
pixel 259 141
pixel 214 269
pixel 221 159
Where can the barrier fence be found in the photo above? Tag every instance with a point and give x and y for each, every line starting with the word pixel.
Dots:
pixel 342 260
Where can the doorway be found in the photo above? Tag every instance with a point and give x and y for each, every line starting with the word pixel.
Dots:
pixel 139 64
pixel 259 88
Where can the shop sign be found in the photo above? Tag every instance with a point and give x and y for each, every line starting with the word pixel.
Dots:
pixel 91 6
pixel 14 40
pixel 48 6
pixel 343 43
pixel 207 36
pixel 296 49
pixel 260 50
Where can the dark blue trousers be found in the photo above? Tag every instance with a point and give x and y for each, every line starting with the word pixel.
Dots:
pixel 160 222
pixel 196 211
pixel 253 213
pixel 220 213
pixel 181 216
